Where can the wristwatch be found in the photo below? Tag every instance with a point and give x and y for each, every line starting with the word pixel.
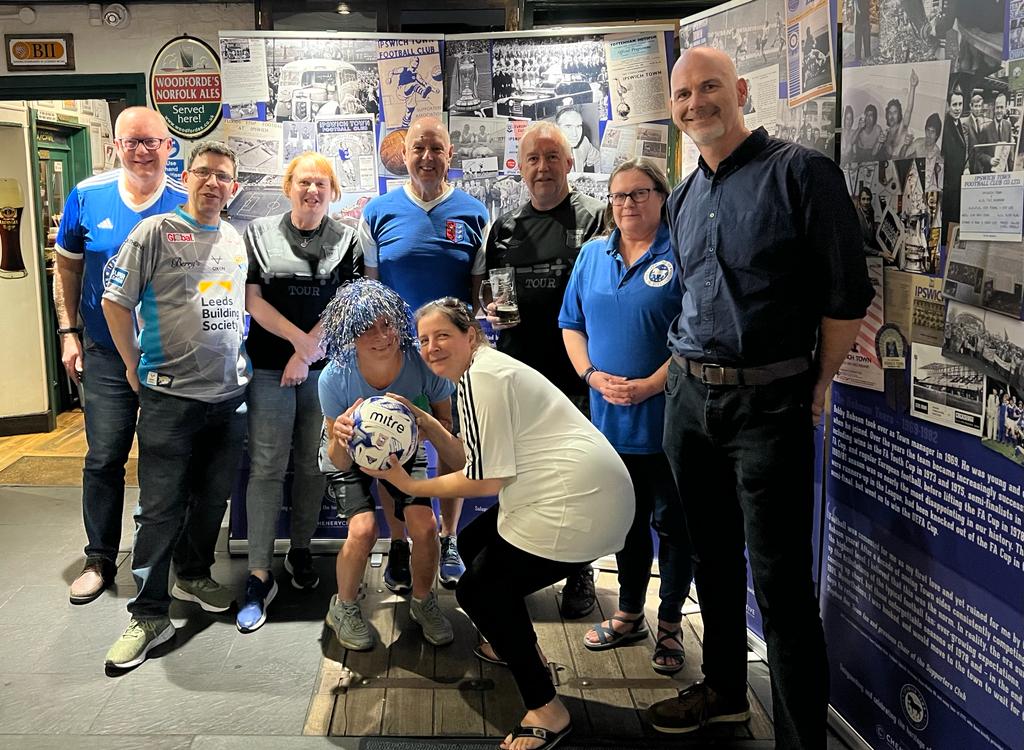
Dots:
pixel 64 331
pixel 585 375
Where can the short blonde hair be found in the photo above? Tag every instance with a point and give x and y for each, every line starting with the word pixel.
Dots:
pixel 320 163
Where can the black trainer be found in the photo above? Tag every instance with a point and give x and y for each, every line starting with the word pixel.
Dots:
pixel 578 595
pixel 299 562
pixel 397 576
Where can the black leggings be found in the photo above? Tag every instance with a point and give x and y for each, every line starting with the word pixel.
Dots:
pixel 493 593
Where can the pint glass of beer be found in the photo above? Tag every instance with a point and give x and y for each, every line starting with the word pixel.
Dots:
pixel 12 204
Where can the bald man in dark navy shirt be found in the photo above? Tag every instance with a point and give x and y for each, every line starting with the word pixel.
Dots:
pixel 774 288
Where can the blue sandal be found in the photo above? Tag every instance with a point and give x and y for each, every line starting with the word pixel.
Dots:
pixel 609 637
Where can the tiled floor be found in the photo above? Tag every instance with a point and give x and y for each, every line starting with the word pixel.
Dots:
pixel 211 688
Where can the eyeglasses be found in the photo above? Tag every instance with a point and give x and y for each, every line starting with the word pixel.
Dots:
pixel 640 195
pixel 130 144
pixel 203 173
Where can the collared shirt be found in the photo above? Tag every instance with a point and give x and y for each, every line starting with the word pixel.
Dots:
pixel 769 244
pixel 625 312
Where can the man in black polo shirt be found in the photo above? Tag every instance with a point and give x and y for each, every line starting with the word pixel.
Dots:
pixel 541 240
pixel 774 287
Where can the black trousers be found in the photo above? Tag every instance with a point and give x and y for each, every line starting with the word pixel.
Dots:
pixel 743 458
pixel 493 593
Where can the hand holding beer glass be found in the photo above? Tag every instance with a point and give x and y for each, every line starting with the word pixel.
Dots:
pixel 498 298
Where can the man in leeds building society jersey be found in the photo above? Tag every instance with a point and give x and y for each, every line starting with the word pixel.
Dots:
pixel 186 272
pixel 774 289
pixel 98 215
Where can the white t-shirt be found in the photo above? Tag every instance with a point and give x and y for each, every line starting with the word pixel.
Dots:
pixel 569 497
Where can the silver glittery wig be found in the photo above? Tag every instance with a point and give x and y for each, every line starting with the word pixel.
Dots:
pixel 353 311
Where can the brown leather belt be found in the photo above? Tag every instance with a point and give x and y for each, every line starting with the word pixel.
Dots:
pixel 712 374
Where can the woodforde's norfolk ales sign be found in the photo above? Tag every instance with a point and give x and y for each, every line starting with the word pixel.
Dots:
pixel 185 86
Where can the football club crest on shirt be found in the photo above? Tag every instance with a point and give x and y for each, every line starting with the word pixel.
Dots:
pixel 455 230
pixel 658 274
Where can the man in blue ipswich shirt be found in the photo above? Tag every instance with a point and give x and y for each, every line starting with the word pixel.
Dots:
pixel 774 288
pixel 422 240
pixel 98 215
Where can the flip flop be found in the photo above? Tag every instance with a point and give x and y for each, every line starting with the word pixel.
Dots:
pixel 609 637
pixel 482 655
pixel 548 737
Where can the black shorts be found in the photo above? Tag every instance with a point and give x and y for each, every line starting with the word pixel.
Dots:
pixel 350 490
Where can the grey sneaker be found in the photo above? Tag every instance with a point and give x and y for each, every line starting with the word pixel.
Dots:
pixel 346 620
pixel 205 592
pixel 427 614
pixel 141 637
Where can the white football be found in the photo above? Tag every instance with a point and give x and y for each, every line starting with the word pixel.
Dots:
pixel 382 426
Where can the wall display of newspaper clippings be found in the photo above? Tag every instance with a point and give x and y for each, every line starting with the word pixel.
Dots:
pixel 934 497
pixel 639 81
pixel 754 34
pixel 809 62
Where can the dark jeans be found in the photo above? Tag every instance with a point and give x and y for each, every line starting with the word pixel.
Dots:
pixel 493 593
pixel 111 409
pixel 188 460
pixel 657 505
pixel 862 36
pixel 743 458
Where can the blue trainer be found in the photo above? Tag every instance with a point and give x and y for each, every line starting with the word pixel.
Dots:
pixel 451 568
pixel 258 596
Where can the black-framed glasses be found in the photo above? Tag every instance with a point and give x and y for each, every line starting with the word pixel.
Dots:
pixel 203 173
pixel 130 144
pixel 640 195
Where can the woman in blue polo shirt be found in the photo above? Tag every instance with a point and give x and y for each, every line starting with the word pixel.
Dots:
pixel 620 301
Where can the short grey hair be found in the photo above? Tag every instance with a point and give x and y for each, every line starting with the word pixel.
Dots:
pixel 213 147
pixel 552 130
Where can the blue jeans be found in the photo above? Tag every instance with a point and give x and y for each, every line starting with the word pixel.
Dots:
pixel 657 506
pixel 188 458
pixel 743 457
pixel 111 409
pixel 282 421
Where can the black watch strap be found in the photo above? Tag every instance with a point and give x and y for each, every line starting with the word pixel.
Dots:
pixel 585 375
pixel 76 329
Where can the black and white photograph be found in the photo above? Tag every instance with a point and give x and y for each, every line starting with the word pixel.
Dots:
pixel 534 78
pixel 811 124
pixel 989 342
pixel 314 78
pixel 298 138
pixel 580 123
pixel 860 32
pixel 486 166
pixel 257 145
pixel 892 106
pixel 595 185
pixel 986 274
pixel 908 31
pixel 485 190
pixel 809 58
pixel 946 392
pixel 477 138
pixel 468 79
pixel 753 34
pixel 258 195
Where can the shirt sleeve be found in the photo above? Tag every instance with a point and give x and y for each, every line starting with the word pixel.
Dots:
pixel 485 417
pixel 571 315
pixel 330 396
pixel 367 244
pixel 134 264
pixel 71 234
pixel 480 259
pixel 254 274
pixel 833 236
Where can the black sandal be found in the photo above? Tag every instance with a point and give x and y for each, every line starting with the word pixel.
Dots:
pixel 548 737
pixel 667 652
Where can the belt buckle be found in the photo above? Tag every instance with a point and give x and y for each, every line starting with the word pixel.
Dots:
pixel 717 379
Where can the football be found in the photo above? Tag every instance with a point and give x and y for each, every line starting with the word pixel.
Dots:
pixel 392 152
pixel 382 426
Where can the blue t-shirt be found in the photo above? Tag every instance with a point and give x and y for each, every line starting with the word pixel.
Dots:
pixel 96 220
pixel 339 388
pixel 625 314
pixel 423 254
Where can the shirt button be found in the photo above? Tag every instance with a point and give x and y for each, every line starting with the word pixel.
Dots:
pixel 711 215
pixel 707 283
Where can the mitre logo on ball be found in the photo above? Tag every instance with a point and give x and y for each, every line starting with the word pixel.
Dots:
pixel 382 426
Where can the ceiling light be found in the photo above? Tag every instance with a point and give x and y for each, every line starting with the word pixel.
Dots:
pixel 343 9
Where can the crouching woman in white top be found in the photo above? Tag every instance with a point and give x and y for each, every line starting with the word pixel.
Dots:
pixel 562 498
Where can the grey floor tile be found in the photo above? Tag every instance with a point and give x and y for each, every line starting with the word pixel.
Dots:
pixel 83 742
pixel 278 647
pixel 151 700
pixel 51 703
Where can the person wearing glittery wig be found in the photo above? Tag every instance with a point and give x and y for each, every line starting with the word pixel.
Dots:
pixel 367 334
